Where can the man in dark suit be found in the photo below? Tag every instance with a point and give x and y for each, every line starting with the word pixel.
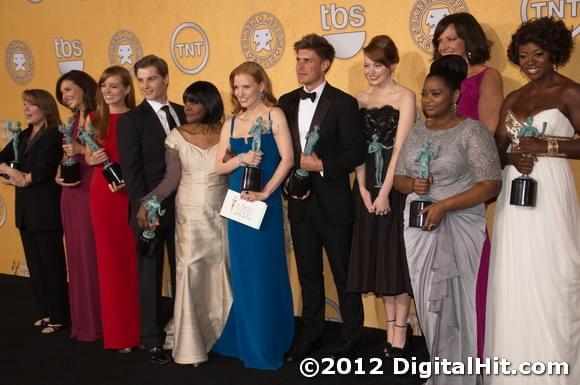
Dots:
pixel 141 136
pixel 323 217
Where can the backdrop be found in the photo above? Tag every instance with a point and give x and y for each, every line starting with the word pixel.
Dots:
pixel 202 40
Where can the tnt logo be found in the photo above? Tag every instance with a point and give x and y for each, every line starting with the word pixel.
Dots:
pixel 567 10
pixel 189 48
pixel 65 50
pixel 346 44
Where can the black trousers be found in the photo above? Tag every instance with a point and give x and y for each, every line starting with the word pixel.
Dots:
pixel 309 235
pixel 150 286
pixel 44 252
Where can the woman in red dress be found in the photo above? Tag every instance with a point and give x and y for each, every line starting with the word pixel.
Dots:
pixel 109 205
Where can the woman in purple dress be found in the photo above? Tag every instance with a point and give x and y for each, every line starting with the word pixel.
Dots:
pixel 481 98
pixel 77 91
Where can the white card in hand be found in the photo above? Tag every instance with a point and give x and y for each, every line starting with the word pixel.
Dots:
pixel 245 212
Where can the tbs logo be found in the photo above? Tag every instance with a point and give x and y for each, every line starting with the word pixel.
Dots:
pixel 65 50
pixel 346 44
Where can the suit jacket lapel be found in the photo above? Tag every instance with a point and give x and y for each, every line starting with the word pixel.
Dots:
pixel 150 117
pixel 322 107
pixel 293 121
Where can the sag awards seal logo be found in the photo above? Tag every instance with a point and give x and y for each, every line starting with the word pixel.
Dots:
pixel 426 14
pixel 19 62
pixel 124 49
pixel 565 10
pixel 189 48
pixel 263 39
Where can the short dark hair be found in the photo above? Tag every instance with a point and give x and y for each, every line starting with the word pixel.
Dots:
pixel 207 95
pixel 477 47
pixel 550 34
pixel 86 83
pixel 452 69
pixel 318 44
pixel 382 49
pixel 152 61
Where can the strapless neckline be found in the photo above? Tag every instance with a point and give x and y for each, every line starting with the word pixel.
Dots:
pixel 519 120
pixel 558 124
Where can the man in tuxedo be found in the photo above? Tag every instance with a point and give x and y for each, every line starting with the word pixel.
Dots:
pixel 323 216
pixel 141 136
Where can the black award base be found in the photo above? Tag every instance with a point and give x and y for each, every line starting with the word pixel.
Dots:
pixel 416 219
pixel 524 191
pixel 251 179
pixel 112 173
pixel 298 185
pixel 70 172
pixel 146 244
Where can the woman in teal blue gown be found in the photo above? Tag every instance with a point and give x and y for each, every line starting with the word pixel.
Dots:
pixel 260 325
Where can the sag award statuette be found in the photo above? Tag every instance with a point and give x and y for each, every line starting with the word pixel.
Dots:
pixel 376 147
pixel 148 238
pixel 524 187
pixel 299 182
pixel 14 128
pixel 111 171
pixel 252 175
pixel 70 170
pixel 424 157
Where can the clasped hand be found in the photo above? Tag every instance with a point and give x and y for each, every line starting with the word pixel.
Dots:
pixel 422 186
pixel 142 221
pixel 96 157
pixel 524 154
pixel 311 163
pixel 381 204
pixel 253 196
pixel 251 158
pixel 72 149
pixel 16 178
pixel 434 215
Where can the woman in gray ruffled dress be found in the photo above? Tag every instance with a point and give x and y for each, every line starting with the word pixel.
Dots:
pixel 443 256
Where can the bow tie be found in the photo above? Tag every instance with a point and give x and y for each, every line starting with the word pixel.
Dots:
pixel 307 95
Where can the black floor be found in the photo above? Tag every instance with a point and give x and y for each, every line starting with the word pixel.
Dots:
pixel 30 358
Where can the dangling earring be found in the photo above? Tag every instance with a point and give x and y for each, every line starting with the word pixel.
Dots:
pixel 262 94
pixel 555 68
pixel 468 56
pixel 454 109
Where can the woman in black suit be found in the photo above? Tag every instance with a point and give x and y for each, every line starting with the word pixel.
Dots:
pixel 37 205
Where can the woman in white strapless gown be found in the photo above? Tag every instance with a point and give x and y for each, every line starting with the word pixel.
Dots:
pixel 533 311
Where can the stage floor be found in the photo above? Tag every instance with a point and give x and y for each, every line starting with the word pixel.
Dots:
pixel 30 358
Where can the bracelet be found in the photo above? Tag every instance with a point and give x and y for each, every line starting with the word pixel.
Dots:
pixel 553 147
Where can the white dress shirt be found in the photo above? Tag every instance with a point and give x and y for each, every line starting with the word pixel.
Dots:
pixel 306 109
pixel 161 114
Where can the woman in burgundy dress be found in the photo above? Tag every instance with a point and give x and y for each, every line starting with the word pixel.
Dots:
pixel 76 90
pixel 109 206
pixel 481 99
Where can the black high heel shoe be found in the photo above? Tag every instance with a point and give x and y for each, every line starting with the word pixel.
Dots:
pixel 405 351
pixel 388 345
